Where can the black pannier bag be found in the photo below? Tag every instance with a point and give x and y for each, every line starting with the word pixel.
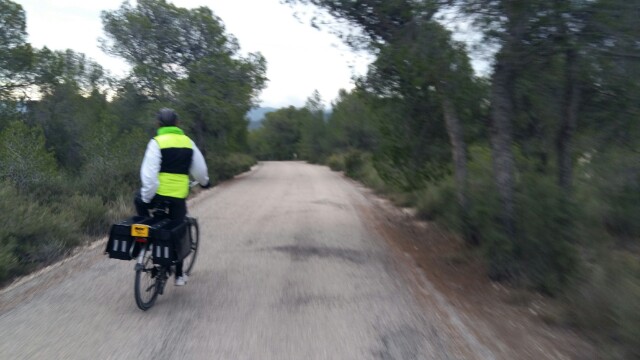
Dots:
pixel 170 242
pixel 121 244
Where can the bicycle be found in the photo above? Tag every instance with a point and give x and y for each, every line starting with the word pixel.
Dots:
pixel 152 275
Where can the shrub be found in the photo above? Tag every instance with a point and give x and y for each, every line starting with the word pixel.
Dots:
pixel 353 163
pixel 546 233
pixel 90 213
pixel 32 234
pixel 542 253
pixel 336 162
pixel 120 208
pixel 610 184
pixel 438 202
pixel 606 301
pixel 223 167
pixel 24 160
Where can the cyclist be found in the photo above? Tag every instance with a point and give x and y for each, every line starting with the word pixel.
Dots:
pixel 170 158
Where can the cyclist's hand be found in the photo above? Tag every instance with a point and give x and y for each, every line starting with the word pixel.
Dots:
pixel 207 185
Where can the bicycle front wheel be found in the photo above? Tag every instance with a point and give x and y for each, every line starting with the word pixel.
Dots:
pixel 193 232
pixel 148 282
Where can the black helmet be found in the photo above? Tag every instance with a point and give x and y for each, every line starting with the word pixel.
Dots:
pixel 167 117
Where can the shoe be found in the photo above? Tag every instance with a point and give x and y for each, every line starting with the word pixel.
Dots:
pixel 181 280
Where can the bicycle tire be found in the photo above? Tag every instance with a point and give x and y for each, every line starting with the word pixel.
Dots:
pixel 193 231
pixel 147 284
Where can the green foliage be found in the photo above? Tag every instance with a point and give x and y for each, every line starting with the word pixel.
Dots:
pixel 546 228
pixel 314 142
pixel 226 167
pixel 32 234
pixel 610 184
pixel 70 156
pixel 189 63
pixel 90 213
pixel 108 151
pixel 24 160
pixel 215 97
pixel 279 136
pixel 351 124
pixel 544 255
pixel 606 300
pixel 337 162
pixel 359 165
pixel 16 55
pixel 58 68
pixel 561 114
pixel 437 202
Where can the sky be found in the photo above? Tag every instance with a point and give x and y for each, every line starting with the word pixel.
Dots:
pixel 300 59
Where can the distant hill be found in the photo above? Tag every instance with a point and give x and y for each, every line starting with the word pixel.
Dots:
pixel 257 115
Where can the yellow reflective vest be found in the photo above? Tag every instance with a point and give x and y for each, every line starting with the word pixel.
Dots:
pixel 177 151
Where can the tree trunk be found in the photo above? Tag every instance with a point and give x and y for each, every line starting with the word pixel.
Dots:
pixel 569 122
pixel 501 137
pixel 459 154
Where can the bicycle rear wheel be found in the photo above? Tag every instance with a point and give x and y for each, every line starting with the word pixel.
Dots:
pixel 148 282
pixel 193 232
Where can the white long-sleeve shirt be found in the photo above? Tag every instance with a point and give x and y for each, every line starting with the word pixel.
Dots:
pixel 151 168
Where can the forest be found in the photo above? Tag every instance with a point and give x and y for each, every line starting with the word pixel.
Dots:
pixel 535 165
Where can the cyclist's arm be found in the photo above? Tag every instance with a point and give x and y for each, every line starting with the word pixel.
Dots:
pixel 198 169
pixel 149 171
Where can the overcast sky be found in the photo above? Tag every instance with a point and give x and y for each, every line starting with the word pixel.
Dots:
pixel 300 59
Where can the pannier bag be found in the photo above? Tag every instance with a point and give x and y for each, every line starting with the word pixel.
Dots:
pixel 168 238
pixel 170 242
pixel 121 244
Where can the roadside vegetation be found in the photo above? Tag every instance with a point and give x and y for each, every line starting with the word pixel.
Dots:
pixel 535 165
pixel 72 136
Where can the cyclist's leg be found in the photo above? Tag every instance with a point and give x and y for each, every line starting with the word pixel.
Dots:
pixel 178 211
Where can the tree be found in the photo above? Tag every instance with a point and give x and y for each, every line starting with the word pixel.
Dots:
pixel 24 160
pixel 16 54
pixel 279 136
pixel 351 123
pixel 217 94
pixel 71 102
pixel 419 66
pixel 184 58
pixel 161 41
pixel 313 145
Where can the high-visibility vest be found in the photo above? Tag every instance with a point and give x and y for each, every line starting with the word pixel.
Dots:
pixel 177 151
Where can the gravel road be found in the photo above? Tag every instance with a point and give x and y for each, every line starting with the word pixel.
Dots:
pixel 291 266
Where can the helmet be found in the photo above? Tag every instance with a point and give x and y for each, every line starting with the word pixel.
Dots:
pixel 167 117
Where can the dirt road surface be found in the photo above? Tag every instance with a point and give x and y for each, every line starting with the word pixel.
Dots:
pixel 296 262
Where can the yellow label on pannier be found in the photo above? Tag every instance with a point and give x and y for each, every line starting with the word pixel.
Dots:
pixel 139 230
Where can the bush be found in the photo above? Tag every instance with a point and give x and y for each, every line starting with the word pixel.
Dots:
pixel 24 159
pixel 438 202
pixel 542 254
pixel 90 213
pixel 32 234
pixel 609 183
pixel 120 208
pixel 606 301
pixel 546 234
pixel 354 161
pixel 226 167
pixel 336 162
